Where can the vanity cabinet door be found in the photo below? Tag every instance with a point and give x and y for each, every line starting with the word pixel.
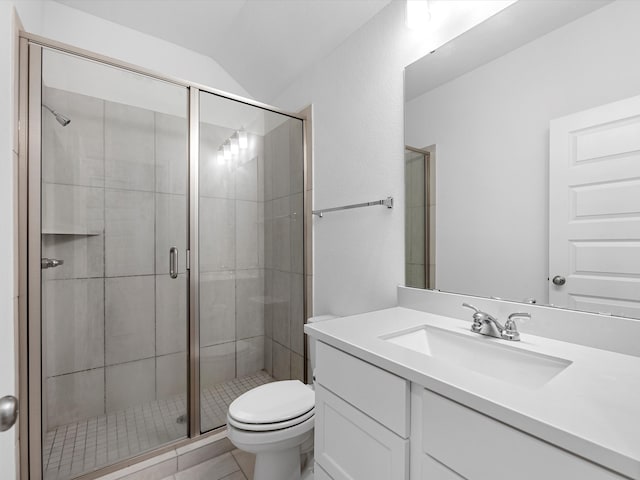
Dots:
pixel 378 393
pixel 350 445
pixel 479 448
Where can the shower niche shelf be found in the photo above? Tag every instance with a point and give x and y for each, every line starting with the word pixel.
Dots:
pixel 69 232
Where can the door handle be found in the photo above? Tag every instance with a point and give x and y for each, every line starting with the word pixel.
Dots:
pixel 559 280
pixel 8 412
pixel 173 262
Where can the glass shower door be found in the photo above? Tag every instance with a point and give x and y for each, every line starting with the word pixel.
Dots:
pixel 114 230
pixel 250 251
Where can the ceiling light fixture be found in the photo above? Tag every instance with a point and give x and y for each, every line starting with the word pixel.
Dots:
pixel 243 139
pixel 234 145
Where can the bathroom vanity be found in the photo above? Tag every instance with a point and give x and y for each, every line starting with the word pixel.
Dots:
pixel 403 393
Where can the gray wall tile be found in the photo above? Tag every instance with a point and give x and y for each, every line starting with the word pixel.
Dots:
pixel 72 209
pixel 73 325
pixel 268 303
pixel 297 233
pixel 247 228
pixel 249 356
pixel 269 229
pixel 297 367
pixel 296 313
pixel 74 397
pixel 268 167
pixel 281 362
pixel 171 314
pixel 249 303
pixel 217 308
pixel 129 147
pixel 268 355
pixel 246 173
pixel 281 234
pixel 131 383
pixel 280 160
pixel 129 242
pixel 281 308
pixel 296 152
pixel 171 375
pixel 171 153
pixel 129 318
pixel 217 364
pixel 217 234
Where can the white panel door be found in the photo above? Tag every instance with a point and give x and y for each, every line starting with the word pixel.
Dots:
pixel 594 218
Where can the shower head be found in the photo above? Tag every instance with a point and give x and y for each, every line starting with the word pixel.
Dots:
pixel 62 120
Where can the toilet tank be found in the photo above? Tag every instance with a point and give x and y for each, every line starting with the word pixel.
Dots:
pixel 312 341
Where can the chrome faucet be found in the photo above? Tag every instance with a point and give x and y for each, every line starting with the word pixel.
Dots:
pixel 485 324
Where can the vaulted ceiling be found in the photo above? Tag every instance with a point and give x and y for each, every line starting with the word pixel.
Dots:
pixel 263 44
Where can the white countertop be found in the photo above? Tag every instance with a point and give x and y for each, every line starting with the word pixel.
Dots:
pixel 592 408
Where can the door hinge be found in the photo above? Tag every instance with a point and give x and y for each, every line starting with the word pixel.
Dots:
pixel 188 259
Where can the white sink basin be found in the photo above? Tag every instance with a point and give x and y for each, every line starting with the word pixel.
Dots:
pixel 481 354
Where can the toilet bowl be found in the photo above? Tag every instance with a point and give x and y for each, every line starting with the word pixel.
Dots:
pixel 275 422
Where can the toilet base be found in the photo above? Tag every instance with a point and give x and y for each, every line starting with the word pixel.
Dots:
pixel 278 453
pixel 279 465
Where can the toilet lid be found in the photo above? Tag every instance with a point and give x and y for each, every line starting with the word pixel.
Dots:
pixel 273 402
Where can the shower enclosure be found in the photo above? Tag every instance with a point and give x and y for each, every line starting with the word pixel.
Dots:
pixel 162 274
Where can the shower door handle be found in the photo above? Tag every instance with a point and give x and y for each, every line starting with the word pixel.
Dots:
pixel 173 262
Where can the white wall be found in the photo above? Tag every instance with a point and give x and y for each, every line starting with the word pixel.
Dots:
pixel 86 31
pixel 357 95
pixel 491 131
pixel 8 286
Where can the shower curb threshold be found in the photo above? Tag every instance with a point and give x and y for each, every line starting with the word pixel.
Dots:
pixel 176 460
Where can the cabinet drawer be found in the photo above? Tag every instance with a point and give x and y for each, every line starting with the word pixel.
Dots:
pixel 380 394
pixel 478 447
pixel 351 446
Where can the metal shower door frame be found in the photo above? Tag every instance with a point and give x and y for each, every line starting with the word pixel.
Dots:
pixel 29 250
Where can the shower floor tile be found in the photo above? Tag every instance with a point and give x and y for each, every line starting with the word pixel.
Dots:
pixel 77 448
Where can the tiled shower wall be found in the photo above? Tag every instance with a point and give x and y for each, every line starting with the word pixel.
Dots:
pixel 114 201
pixel 284 260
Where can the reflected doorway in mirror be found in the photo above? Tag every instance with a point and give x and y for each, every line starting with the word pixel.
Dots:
pixel 420 199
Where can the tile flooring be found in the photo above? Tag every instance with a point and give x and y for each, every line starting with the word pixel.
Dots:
pixel 81 447
pixel 235 465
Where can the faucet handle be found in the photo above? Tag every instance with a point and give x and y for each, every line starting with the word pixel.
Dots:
pixel 467 305
pixel 477 317
pixel 510 331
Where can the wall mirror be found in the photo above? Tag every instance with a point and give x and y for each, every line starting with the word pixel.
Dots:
pixel 522 159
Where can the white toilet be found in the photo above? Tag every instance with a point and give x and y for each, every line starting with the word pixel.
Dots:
pixel 275 421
